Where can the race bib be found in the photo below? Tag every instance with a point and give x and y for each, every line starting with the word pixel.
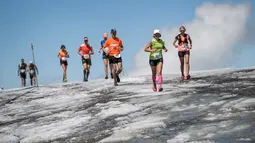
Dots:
pixel 63 58
pixel 184 47
pixel 22 70
pixel 106 50
pixel 32 71
pixel 86 56
pixel 117 55
pixel 156 55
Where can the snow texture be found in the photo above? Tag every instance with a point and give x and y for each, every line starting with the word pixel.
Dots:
pixel 211 107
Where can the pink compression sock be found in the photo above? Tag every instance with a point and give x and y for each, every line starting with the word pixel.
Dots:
pixel 159 81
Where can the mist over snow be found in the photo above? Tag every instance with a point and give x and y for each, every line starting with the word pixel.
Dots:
pixel 214 31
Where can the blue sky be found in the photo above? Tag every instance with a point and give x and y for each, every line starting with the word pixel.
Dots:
pixel 48 24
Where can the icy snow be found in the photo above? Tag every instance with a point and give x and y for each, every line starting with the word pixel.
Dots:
pixel 200 110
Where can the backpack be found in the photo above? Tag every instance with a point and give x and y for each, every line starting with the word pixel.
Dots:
pixel 186 37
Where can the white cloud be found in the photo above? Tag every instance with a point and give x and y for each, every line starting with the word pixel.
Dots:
pixel 214 31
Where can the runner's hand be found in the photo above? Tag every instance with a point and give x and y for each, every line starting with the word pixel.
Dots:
pixel 176 46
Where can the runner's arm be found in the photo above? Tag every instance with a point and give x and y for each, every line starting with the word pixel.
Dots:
pixel 190 42
pixel 174 43
pixel 67 54
pixel 92 50
pixel 18 69
pixel 164 48
pixel 121 46
pixel 36 69
pixel 147 47
pixel 27 68
pixel 106 44
pixel 59 55
pixel 79 50
pixel 101 47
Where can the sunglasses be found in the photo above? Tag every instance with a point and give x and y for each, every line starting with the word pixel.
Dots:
pixel 182 30
pixel 157 35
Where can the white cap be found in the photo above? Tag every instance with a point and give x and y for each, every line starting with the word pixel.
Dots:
pixel 30 62
pixel 156 31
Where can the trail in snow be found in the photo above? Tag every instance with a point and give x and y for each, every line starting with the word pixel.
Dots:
pixel 212 107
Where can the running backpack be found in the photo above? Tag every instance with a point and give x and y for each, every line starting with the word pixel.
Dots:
pixel 186 37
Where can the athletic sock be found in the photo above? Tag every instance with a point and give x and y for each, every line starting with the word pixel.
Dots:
pixel 154 80
pixel 159 81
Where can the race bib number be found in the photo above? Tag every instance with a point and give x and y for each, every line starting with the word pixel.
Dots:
pixel 157 56
pixel 86 56
pixel 184 47
pixel 22 70
pixel 63 58
pixel 117 55
pixel 32 71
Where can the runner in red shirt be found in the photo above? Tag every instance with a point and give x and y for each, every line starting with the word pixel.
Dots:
pixel 85 51
pixel 183 50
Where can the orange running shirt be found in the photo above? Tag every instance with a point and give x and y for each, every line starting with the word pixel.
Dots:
pixel 85 49
pixel 62 53
pixel 113 45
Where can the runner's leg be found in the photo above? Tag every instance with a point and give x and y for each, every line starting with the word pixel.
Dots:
pixel 64 71
pixel 114 73
pixel 181 57
pixel 85 71
pixel 159 71
pixel 106 68
pixel 187 56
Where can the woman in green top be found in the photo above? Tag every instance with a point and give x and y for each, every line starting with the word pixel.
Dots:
pixel 155 47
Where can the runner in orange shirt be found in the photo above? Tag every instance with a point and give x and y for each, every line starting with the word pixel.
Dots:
pixel 63 55
pixel 86 53
pixel 115 47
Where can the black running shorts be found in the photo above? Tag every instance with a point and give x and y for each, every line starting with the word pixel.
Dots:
pixel 23 75
pixel 155 62
pixel 63 62
pixel 86 61
pixel 181 54
pixel 113 60
pixel 105 56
